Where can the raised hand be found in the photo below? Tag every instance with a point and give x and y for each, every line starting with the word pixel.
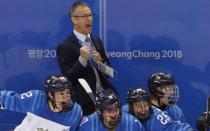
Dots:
pixel 96 56
pixel 85 52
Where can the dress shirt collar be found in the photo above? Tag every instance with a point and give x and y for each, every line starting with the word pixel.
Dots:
pixel 80 36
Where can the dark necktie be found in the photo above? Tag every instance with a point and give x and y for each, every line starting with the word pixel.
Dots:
pixel 93 63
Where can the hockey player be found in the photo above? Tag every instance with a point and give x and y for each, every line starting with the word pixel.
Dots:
pixel 165 93
pixel 52 110
pixel 109 116
pixel 203 122
pixel 153 119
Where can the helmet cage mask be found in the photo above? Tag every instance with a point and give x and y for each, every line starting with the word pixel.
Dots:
pixel 61 100
pixel 170 92
pixel 163 85
pixel 58 90
pixel 111 117
pixel 108 107
pixel 140 99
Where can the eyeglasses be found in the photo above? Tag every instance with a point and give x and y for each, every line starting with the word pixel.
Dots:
pixel 83 16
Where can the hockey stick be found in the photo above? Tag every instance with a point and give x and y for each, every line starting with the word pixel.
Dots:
pixel 208 108
pixel 87 88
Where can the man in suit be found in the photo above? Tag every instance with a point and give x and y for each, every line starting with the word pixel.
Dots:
pixel 78 54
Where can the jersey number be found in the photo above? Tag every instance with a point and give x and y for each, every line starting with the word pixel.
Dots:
pixel 26 94
pixel 164 118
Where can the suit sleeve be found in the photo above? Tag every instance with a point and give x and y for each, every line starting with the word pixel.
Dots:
pixel 68 59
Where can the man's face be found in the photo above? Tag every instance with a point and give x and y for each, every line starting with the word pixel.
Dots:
pixel 82 20
pixel 168 92
pixel 141 109
pixel 110 117
pixel 62 99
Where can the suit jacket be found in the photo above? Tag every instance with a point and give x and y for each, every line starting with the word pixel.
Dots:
pixel 68 54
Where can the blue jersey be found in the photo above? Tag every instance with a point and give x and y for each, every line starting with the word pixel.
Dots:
pixel 127 122
pixel 160 121
pixel 175 113
pixel 36 104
